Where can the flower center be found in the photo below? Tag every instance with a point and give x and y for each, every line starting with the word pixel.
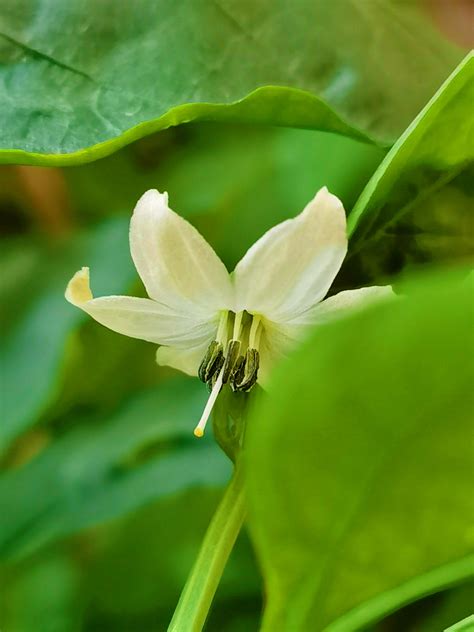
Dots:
pixel 231 358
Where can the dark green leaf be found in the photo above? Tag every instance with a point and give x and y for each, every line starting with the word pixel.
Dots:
pixel 359 464
pixel 432 152
pixel 83 78
pixel 102 470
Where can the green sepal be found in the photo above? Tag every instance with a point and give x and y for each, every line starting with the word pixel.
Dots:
pixel 229 419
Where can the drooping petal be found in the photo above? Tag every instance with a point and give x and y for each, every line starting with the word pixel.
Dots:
pixel 176 264
pixel 340 304
pixel 139 317
pixel 291 267
pixel 185 360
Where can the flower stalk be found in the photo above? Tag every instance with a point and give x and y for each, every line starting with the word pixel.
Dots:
pixel 196 599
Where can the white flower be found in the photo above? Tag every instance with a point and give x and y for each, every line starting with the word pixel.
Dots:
pixel 227 328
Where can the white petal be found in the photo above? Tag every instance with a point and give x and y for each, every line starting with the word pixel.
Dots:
pixel 339 305
pixel 292 266
pixel 139 317
pixel 176 264
pixel 276 341
pixel 185 360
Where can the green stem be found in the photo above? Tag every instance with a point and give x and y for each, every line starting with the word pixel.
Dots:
pixel 201 585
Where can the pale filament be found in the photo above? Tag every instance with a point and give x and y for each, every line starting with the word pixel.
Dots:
pixel 237 325
pixel 255 331
pixel 221 335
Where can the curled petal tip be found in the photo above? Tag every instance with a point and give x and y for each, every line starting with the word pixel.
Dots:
pixel 78 290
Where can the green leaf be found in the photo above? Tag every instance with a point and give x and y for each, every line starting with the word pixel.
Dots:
pixel 103 470
pixel 434 149
pixel 436 229
pixel 359 465
pixel 466 625
pixel 87 77
pixel 32 350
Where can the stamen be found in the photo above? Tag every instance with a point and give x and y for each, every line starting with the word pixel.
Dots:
pixel 208 364
pixel 219 367
pixel 254 330
pixel 246 377
pixel 231 356
pixel 221 335
pixel 216 369
pixel 199 429
pixel 214 357
pixel 237 374
pixel 237 325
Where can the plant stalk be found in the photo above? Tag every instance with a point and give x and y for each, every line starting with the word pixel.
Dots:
pixel 201 585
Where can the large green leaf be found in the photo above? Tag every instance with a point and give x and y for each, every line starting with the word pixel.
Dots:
pixel 359 465
pixel 83 78
pixel 434 149
pixel 33 346
pixel 102 470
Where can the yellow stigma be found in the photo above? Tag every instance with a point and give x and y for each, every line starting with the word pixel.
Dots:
pixel 198 432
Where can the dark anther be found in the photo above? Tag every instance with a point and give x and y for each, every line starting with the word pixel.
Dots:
pixel 247 374
pixel 237 373
pixel 215 373
pixel 212 362
pixel 231 357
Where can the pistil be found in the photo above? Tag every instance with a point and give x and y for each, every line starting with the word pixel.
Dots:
pixel 199 429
